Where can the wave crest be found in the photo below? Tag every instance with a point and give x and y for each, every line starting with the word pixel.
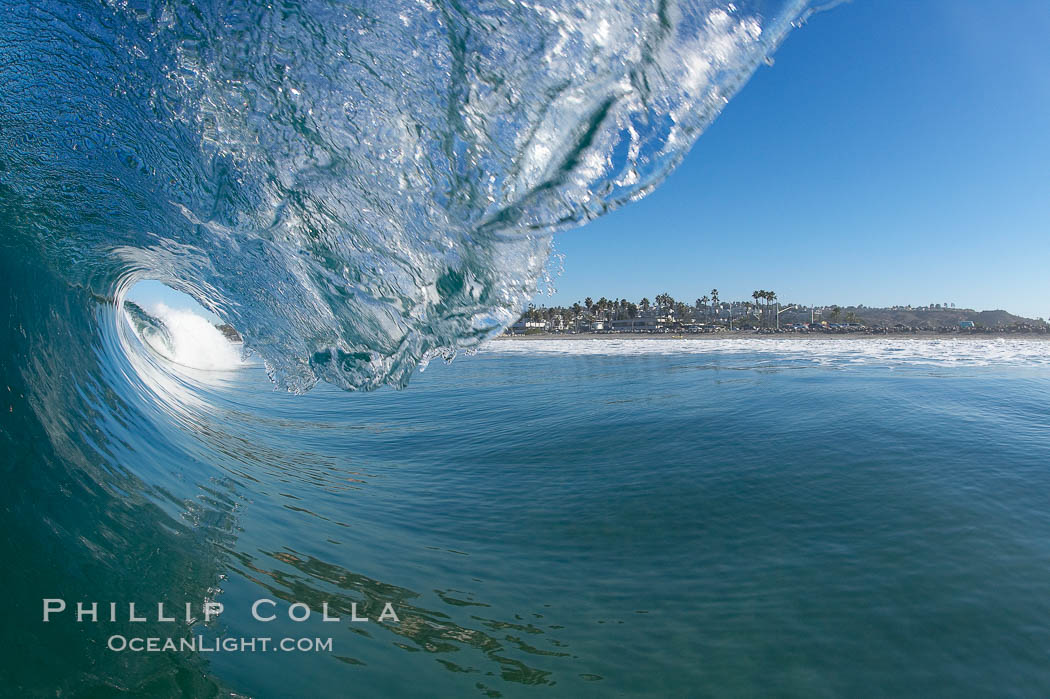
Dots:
pixel 355 188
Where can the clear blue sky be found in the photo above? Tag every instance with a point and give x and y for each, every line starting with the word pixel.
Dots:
pixel 149 293
pixel 895 153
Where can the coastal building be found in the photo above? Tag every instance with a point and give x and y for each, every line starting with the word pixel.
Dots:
pixel 638 324
pixel 523 326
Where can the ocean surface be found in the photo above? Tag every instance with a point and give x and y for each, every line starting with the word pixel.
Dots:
pixel 362 188
pixel 558 518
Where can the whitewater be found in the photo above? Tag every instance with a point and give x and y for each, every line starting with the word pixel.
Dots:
pixel 360 188
pixel 831 352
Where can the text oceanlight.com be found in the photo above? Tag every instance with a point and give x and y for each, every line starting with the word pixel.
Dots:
pixel 199 644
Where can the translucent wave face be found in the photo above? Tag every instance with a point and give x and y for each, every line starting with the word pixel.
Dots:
pixel 358 187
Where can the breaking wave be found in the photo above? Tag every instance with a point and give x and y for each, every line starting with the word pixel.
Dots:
pixel 355 188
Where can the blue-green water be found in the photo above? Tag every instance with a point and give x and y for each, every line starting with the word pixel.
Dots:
pixel 358 188
pixel 661 518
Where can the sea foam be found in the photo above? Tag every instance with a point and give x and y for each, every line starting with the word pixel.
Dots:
pixel 191 341
pixel 886 351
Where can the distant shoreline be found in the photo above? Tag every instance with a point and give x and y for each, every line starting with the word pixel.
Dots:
pixel 780 337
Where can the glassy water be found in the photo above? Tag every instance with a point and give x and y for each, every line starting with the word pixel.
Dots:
pixel 559 519
pixel 358 189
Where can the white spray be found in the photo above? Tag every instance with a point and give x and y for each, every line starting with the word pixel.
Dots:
pixel 195 342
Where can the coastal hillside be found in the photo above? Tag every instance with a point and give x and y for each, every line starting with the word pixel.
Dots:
pixel 925 316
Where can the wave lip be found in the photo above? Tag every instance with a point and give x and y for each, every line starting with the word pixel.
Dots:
pixel 355 189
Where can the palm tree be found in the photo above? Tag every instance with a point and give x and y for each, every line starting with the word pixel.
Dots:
pixel 588 303
pixel 603 303
pixel 681 311
pixel 764 297
pixel 644 304
pixel 762 308
pixel 714 299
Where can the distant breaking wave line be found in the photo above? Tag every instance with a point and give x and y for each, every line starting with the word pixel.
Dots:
pixel 817 351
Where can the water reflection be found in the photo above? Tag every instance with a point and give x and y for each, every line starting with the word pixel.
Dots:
pixel 308 473
pixel 429 630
